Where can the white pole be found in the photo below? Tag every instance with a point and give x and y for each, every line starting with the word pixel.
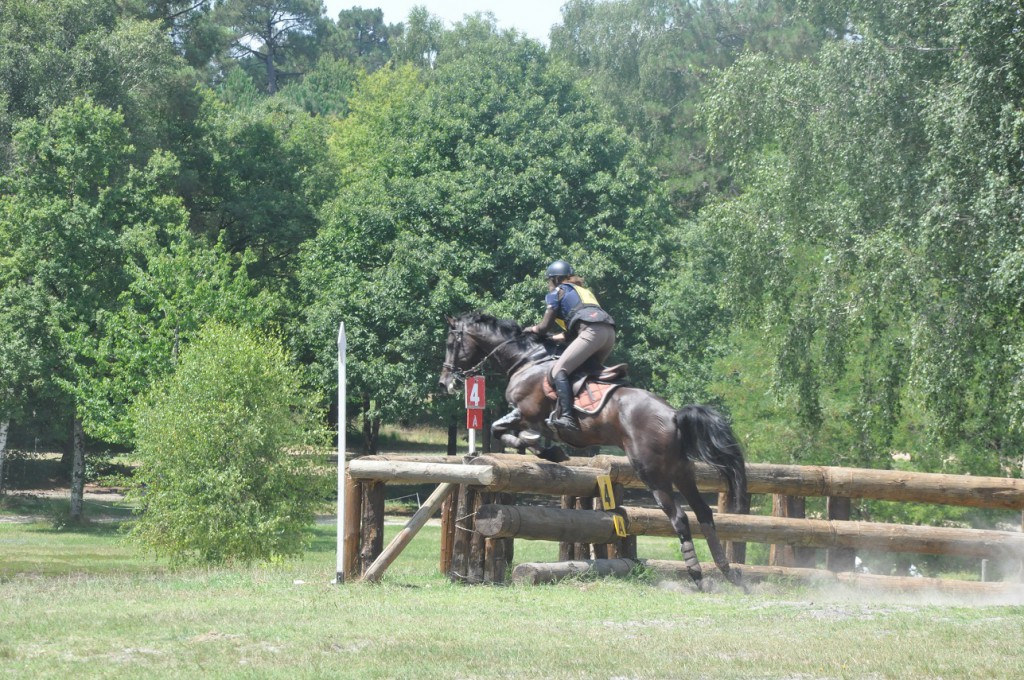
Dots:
pixel 340 575
pixel 472 442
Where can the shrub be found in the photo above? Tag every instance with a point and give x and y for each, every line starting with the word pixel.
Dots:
pixel 227 472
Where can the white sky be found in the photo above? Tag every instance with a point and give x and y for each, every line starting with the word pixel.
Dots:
pixel 532 17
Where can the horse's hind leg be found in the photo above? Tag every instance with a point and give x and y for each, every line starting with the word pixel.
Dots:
pixel 688 486
pixel 681 525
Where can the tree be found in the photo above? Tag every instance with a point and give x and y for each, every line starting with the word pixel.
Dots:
pixel 274 33
pixel 73 197
pixel 325 90
pixel 226 473
pixel 421 40
pixel 26 346
pixel 876 223
pixel 458 185
pixel 363 39
pixel 254 176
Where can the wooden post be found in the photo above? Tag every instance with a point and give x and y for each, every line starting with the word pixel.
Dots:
pixel 463 533
pixel 792 507
pixel 353 531
pixel 566 551
pixel 477 547
pixel 448 509
pixel 598 551
pixel 498 552
pixel 372 522
pixel 839 559
pixel 735 551
pixel 581 551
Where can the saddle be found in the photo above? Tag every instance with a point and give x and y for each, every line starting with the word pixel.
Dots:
pixel 592 385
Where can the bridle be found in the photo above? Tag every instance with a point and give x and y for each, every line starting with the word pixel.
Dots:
pixel 459 374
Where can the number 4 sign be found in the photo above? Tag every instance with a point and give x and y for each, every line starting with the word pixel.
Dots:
pixel 475 402
pixel 475 398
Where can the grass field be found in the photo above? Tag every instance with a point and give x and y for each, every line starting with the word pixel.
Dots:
pixel 79 602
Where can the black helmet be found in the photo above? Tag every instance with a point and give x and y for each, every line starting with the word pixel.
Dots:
pixel 559 268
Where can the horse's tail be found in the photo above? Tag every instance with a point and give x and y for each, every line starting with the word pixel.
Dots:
pixel 707 436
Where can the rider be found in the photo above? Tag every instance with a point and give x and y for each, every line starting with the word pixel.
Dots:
pixel 589 330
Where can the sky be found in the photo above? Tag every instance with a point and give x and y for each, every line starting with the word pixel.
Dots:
pixel 532 17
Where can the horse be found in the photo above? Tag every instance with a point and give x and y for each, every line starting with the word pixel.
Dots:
pixel 661 442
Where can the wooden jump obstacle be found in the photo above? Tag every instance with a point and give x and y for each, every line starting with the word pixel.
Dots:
pixel 480 521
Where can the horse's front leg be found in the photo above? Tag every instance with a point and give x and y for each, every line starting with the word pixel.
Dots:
pixel 508 423
pixel 509 430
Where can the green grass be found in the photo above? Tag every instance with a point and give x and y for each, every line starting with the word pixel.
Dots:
pixel 80 602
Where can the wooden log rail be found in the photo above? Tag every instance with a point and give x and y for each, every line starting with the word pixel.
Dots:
pixel 578 477
pixel 588 526
pixel 509 474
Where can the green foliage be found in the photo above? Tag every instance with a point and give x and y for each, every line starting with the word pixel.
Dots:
pixel 875 207
pixel 652 61
pixel 63 215
pixel 325 90
pixel 54 52
pixel 178 283
pixel 226 473
pixel 254 175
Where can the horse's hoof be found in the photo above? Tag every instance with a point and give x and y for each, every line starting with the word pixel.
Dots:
pixel 735 577
pixel 555 454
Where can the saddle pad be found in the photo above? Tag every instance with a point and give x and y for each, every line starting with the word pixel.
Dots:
pixel 590 399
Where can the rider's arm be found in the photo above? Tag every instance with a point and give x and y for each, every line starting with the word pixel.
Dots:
pixel 546 323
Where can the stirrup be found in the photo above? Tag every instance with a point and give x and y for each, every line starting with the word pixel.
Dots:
pixel 565 423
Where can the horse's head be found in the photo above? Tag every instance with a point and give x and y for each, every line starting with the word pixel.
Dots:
pixel 462 351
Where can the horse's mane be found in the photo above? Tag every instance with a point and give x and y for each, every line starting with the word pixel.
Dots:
pixel 506 327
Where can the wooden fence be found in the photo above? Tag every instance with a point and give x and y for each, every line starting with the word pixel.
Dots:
pixel 480 519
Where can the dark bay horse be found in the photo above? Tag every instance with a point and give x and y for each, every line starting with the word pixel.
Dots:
pixel 661 442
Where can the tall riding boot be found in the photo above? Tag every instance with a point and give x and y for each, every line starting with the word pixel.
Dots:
pixel 566 417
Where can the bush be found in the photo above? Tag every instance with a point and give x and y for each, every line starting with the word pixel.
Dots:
pixel 227 471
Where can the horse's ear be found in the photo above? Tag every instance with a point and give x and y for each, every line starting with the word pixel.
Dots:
pixel 450 321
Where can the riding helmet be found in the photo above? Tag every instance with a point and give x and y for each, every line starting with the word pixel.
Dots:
pixel 559 268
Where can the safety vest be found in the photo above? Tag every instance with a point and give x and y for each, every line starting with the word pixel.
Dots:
pixel 584 308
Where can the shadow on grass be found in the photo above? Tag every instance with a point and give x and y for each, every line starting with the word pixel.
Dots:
pixel 102 518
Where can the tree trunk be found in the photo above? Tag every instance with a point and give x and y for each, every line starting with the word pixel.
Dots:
pixel 77 471
pixel 453 437
pixel 4 424
pixel 371 430
pixel 271 66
